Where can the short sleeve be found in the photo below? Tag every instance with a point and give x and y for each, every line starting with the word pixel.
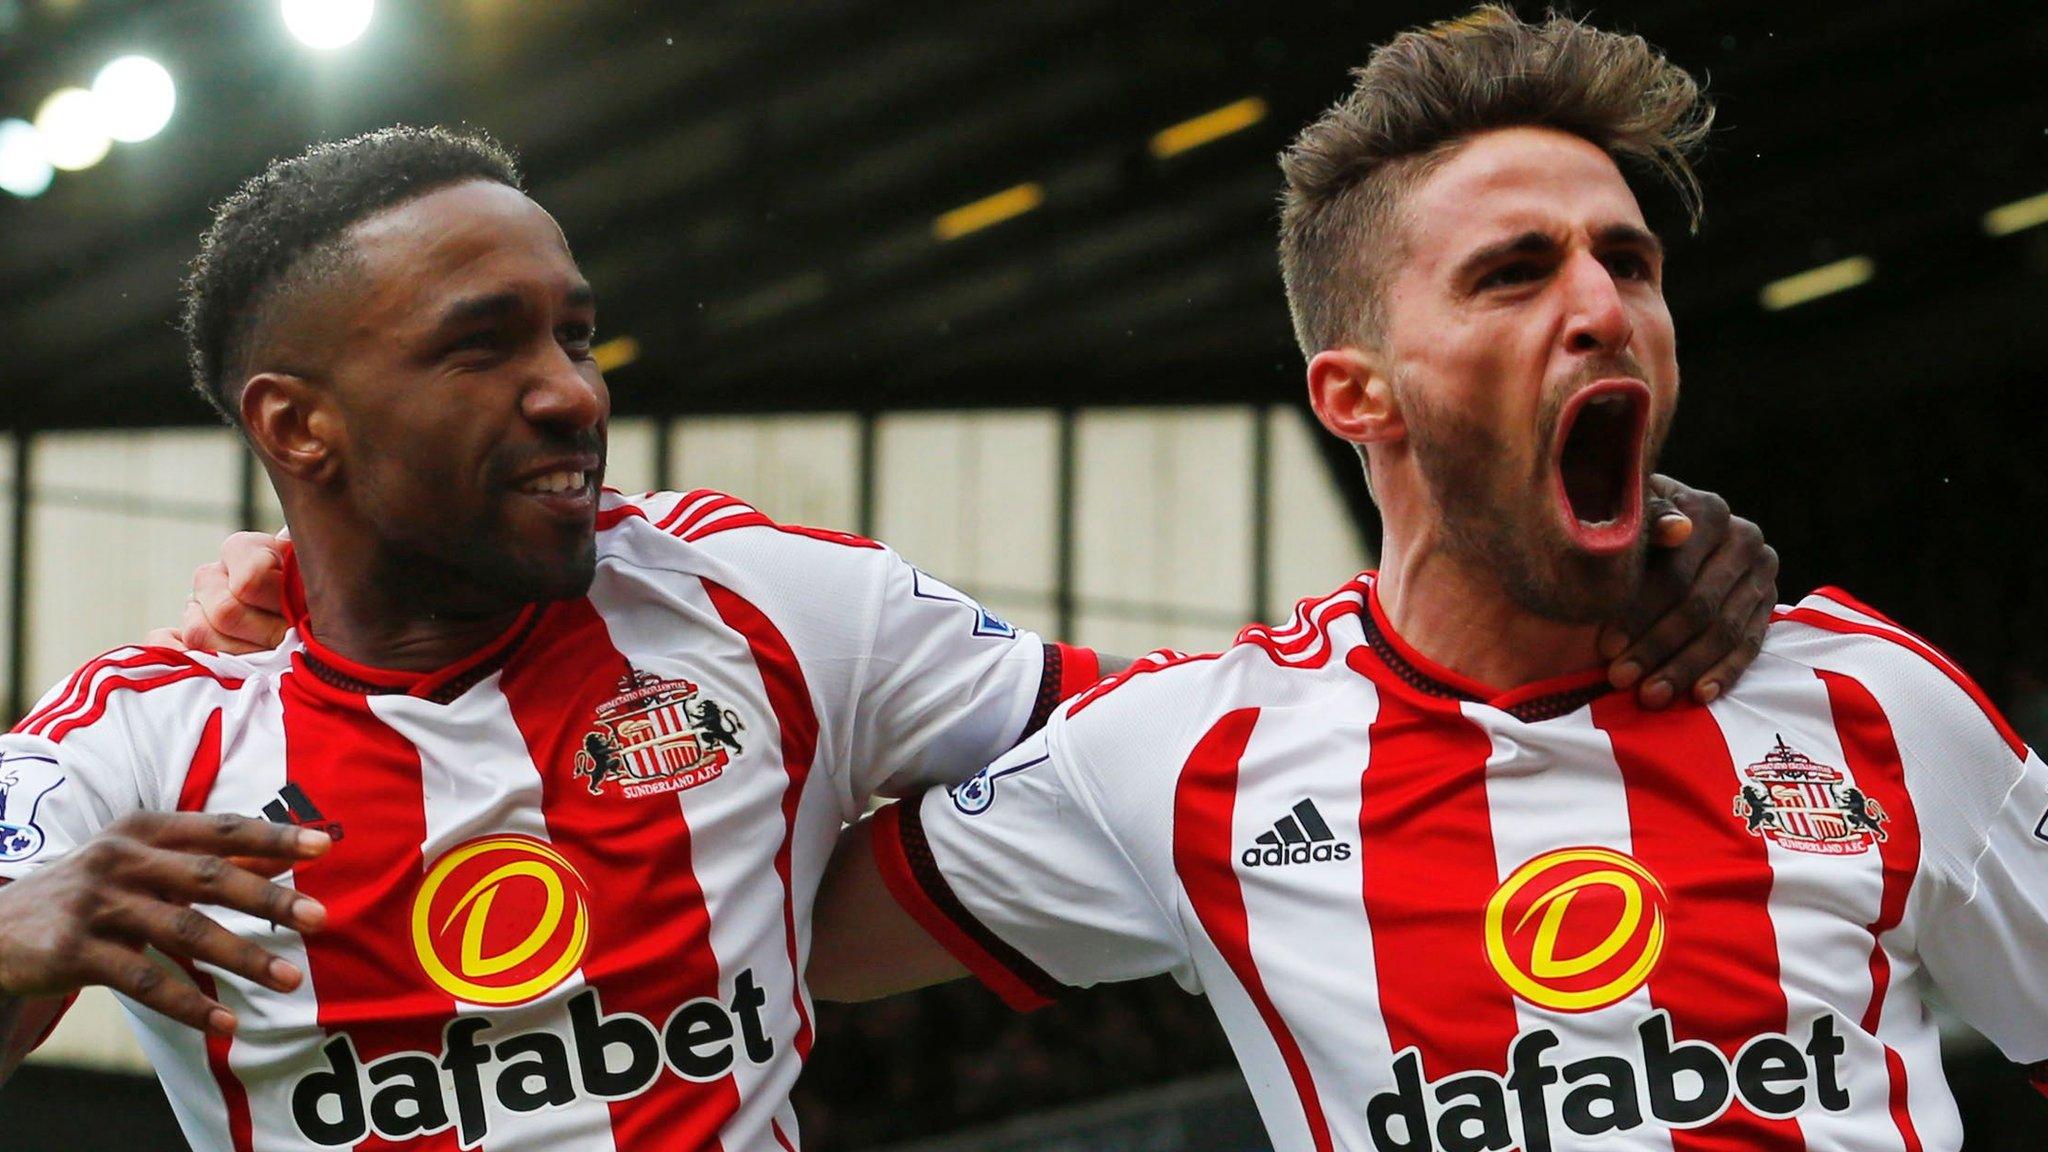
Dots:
pixel 1987 951
pixel 915 682
pixel 947 686
pixel 1034 880
pixel 60 785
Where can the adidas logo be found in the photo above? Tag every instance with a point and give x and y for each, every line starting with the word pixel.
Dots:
pixel 293 806
pixel 1302 837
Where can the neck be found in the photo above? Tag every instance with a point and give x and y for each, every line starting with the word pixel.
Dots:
pixel 363 606
pixel 1461 618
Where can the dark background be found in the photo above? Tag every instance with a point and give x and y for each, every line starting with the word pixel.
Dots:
pixel 751 185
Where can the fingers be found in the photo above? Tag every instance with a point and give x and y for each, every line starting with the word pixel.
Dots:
pixel 1670 528
pixel 128 971
pixel 216 619
pixel 1716 679
pixel 1669 525
pixel 182 931
pixel 164 638
pixel 1714 631
pixel 214 880
pixel 254 563
pixel 223 834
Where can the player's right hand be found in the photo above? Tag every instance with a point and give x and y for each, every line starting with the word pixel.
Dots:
pixel 87 918
pixel 237 601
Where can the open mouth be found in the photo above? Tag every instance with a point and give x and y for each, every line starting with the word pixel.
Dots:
pixel 1599 461
pixel 566 490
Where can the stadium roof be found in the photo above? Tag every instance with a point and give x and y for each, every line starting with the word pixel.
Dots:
pixel 760 188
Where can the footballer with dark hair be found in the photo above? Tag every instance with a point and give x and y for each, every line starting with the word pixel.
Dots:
pixel 511 837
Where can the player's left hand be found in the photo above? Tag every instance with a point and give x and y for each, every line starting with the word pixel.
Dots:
pixel 1706 600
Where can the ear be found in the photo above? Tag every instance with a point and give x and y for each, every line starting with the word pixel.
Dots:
pixel 1353 397
pixel 292 423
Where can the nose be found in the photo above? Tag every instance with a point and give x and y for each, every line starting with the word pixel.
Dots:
pixel 1598 321
pixel 567 393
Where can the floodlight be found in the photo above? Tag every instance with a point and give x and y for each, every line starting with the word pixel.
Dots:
pixel 136 97
pixel 24 170
pixel 69 123
pixel 327 24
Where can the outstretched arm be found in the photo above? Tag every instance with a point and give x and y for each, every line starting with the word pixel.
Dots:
pixel 1700 621
pixel 863 944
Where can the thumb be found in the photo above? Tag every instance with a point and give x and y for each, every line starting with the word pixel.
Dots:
pixel 1668 526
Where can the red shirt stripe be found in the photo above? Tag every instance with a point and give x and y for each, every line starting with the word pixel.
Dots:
pixel 1204 803
pixel 1922 649
pixel 80 683
pixel 366 777
pixel 192 795
pixel 1427 864
pixel 1873 759
pixel 790 699
pixel 1679 775
pixel 205 768
pixel 650 931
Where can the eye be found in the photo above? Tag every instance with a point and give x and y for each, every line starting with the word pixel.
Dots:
pixel 577 337
pixel 1510 275
pixel 1629 265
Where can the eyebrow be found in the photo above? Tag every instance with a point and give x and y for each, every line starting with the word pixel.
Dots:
pixel 1536 243
pixel 497 305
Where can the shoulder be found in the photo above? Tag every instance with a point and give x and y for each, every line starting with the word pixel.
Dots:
pixel 1264 664
pixel 138 686
pixel 700 517
pixel 710 534
pixel 1163 704
pixel 1832 632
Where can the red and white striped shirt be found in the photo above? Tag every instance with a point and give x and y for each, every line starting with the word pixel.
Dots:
pixel 1432 917
pixel 569 900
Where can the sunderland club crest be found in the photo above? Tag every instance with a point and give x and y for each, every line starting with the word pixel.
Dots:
pixel 657 736
pixel 1798 803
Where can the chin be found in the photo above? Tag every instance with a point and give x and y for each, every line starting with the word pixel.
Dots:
pixel 567 580
pixel 1573 587
pixel 531 577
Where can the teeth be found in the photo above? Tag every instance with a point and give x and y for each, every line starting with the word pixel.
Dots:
pixel 1611 400
pixel 554 483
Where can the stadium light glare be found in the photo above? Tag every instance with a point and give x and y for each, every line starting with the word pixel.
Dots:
pixel 1207 128
pixel 615 353
pixel 328 24
pixel 988 211
pixel 136 97
pixel 1815 283
pixel 2017 216
pixel 24 170
pixel 73 137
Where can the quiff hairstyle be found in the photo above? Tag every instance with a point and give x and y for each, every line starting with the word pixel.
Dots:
pixel 281 236
pixel 1418 98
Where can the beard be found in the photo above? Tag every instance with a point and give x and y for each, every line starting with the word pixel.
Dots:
pixel 1500 519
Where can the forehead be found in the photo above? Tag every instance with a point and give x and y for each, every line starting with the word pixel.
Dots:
pixel 1514 180
pixel 458 241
